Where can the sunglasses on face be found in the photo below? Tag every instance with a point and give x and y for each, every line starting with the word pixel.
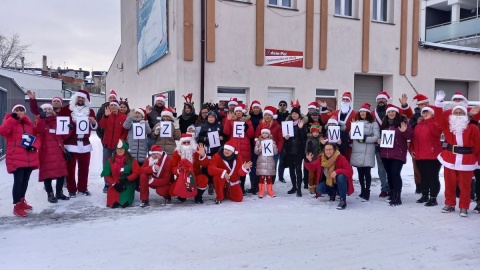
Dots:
pixel 283 105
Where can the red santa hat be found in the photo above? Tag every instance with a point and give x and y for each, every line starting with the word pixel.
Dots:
pixel 160 97
pixel 46 106
pixel 459 95
pixel 391 107
pixel 332 120
pixel 254 104
pixel 233 101
pixel 115 102
pixel 365 107
pixel 167 112
pixel 18 105
pixel 155 149
pixel 383 95
pixel 347 95
pixel 230 146
pixel 240 107
pixel 265 130
pixel 463 108
pixel 421 99
pixel 112 93
pixel 428 108
pixel 313 105
pixel 84 94
pixel 186 137
pixel 270 110
pixel 142 112
pixel 57 98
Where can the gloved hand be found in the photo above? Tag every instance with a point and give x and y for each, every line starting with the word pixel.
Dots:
pixel 123 180
pixel 440 96
pixel 119 187
pixel 31 149
pixel 41 113
pixel 15 116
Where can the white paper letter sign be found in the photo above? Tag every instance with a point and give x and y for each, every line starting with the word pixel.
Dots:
pixel 165 129
pixel 287 128
pixel 238 129
pixel 213 139
pixel 267 148
pixel 356 132
pixel 138 131
pixel 388 137
pixel 83 126
pixel 333 134
pixel 62 125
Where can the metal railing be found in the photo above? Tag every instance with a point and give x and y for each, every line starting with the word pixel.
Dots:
pixel 452 31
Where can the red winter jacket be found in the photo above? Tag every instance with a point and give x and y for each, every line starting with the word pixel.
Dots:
pixel 114 131
pixel 341 167
pixel 275 129
pixel 425 143
pixel 17 156
pixel 52 163
pixel 242 145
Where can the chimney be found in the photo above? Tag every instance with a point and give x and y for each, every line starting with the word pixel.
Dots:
pixel 44 62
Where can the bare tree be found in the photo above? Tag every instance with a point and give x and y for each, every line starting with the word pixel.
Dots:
pixel 12 50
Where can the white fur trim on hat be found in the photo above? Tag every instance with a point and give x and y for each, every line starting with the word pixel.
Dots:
pixel 186 139
pixel 312 107
pixel 256 105
pixel 115 103
pixel 238 108
pixel 393 109
pixel 460 107
pixel 332 121
pixel 271 113
pixel 140 111
pixel 428 109
pixel 46 106
pixel 265 130
pixel 56 98
pixel 382 96
pixel 229 147
pixel 167 113
pixel 363 110
pixel 155 152
pixel 459 96
pixel 80 94
pixel 161 98
pixel 423 101
pixel 18 106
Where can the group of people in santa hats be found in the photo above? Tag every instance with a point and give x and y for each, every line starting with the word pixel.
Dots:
pixel 188 155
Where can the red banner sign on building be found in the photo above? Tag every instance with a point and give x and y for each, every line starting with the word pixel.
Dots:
pixel 283 58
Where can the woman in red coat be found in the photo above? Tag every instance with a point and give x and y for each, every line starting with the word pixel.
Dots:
pixel 333 172
pixel 22 156
pixel 52 164
pixel 424 148
pixel 242 144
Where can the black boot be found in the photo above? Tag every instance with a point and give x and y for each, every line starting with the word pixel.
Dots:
pixel 198 197
pixel 342 204
pixel 299 192
pixel 294 186
pixel 61 196
pixel 51 197
pixel 182 200
pixel 396 199
pixel 423 199
pixel 362 192
pixel 366 195
pixel 418 189
pixel 292 191
pixel 432 202
pixel 299 187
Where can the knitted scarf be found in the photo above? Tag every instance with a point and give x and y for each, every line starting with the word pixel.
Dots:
pixel 329 163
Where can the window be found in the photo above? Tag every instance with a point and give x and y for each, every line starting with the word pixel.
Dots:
pixel 381 11
pixel 281 3
pixel 344 7
pixel 327 95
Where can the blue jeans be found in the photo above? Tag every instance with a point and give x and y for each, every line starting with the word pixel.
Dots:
pixel 382 173
pixel 340 187
pixel 280 158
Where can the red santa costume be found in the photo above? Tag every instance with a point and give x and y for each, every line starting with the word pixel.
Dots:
pixel 187 163
pixel 155 173
pixel 460 156
pixel 405 111
pixel 78 144
pixel 220 166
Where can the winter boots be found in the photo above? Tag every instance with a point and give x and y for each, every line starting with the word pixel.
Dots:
pixel 312 189
pixel 432 202
pixel 423 199
pixel 292 191
pixel 418 189
pixel 448 209
pixel 463 212
pixel 362 192
pixel 261 190
pixel 396 198
pixel 18 210
pixel 61 196
pixel 25 205
pixel 198 197
pixel 342 204
pixel 270 190
pixel 366 195
pixel 144 204
pixel 51 197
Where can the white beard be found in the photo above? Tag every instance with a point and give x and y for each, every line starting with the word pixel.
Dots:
pixel 79 111
pixel 345 107
pixel 186 152
pixel 458 123
pixel 452 105
pixel 152 161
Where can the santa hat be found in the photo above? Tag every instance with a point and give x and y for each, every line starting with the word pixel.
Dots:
pixel 421 98
pixel 233 101
pixel 18 105
pixel 459 95
pixel 112 93
pixel 270 110
pixel 155 149
pixel 365 107
pixel 463 108
pixel 332 120
pixel 84 94
pixel 240 107
pixel 428 108
pixel 57 98
pixel 315 128
pixel 115 102
pixel 383 95
pixel 122 144
pixel 46 106
pixel 391 107
pixel 254 104
pixel 167 112
pixel 230 146
pixel 186 137
pixel 142 112
pixel 265 130
pixel 312 105
pixel 160 97
pixel 347 95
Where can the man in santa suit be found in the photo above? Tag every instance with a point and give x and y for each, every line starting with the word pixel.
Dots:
pixel 191 157
pixel 78 144
pixel 226 167
pixel 155 173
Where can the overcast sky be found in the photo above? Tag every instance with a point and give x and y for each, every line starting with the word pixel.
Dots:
pixel 78 34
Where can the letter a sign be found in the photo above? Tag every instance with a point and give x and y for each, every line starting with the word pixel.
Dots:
pixel 356 132
pixel 267 148
pixel 83 126
pixel 62 125
pixel 388 137
pixel 138 131
pixel 238 129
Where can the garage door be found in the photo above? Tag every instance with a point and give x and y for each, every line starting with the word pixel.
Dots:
pixel 277 94
pixel 366 89
pixel 450 87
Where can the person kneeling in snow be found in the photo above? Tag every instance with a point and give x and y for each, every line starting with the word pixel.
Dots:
pixel 158 169
pixel 226 168
pixel 334 174
pixel 120 172
pixel 187 161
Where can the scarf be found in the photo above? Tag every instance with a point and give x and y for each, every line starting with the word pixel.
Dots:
pixel 295 122
pixel 117 166
pixel 329 164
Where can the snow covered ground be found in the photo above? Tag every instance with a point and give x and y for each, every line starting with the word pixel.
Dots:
pixel 272 233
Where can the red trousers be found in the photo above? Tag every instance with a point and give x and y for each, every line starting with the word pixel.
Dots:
pixel 264 179
pixel 224 189
pixel 161 186
pixel 464 181
pixel 83 168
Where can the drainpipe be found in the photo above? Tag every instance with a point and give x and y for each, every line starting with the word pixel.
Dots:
pixel 202 53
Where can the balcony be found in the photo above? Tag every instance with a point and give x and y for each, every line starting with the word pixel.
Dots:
pixel 466 28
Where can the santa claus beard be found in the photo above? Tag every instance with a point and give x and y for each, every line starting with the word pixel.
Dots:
pixel 453 104
pixel 345 107
pixel 187 151
pixel 152 161
pixel 458 123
